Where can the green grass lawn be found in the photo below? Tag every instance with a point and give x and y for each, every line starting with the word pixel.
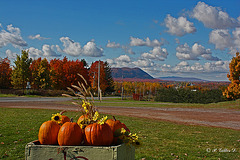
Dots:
pixel 132 103
pixel 160 140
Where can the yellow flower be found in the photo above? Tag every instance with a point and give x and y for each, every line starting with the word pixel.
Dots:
pixel 123 131
pixel 96 115
pixel 57 118
pixel 102 120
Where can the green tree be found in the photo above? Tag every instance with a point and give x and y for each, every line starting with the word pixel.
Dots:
pixel 108 77
pixel 40 70
pixel 21 71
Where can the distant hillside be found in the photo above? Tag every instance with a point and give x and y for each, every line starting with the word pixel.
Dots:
pixel 130 73
pixel 189 79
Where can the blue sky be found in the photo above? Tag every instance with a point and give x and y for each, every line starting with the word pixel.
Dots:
pixel 164 38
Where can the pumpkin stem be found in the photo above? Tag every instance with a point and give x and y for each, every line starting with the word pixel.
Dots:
pixel 71 120
pixel 63 112
pixel 114 118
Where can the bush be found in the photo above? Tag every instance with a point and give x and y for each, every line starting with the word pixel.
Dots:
pixel 189 96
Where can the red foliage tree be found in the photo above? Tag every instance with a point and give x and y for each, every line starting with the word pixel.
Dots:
pixel 93 76
pixel 5 73
pixel 64 72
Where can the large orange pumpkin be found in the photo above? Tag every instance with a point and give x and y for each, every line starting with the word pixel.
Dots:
pixel 48 132
pixel 70 134
pixel 98 135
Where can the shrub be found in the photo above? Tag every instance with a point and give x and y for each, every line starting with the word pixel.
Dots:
pixel 183 95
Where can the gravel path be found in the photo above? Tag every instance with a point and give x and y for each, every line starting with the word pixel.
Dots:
pixel 224 118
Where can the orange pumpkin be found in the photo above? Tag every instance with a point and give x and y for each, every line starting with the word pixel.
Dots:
pixel 82 118
pixel 116 124
pixel 48 132
pixel 64 118
pixel 70 134
pixel 98 135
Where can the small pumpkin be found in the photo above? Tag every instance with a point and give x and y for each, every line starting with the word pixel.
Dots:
pixel 48 132
pixel 64 118
pixel 98 134
pixel 70 134
pixel 116 124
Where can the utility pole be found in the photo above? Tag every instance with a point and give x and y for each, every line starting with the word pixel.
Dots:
pixel 99 80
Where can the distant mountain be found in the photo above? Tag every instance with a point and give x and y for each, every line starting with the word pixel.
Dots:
pixel 130 73
pixel 189 79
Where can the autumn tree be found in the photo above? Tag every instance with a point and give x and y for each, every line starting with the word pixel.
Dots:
pixel 64 72
pixel 41 76
pixel 233 90
pixel 21 71
pixel 106 80
pixel 5 73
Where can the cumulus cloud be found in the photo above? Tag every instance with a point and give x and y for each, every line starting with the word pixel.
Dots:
pixel 49 51
pixel 91 50
pixel 184 52
pixel 213 17
pixel 222 39
pixel 10 54
pixel 37 36
pixel 147 42
pixel 70 47
pixel 121 61
pixel 179 27
pixel 11 36
pixel 34 53
pixel 143 63
pixel 157 53
pixel 74 48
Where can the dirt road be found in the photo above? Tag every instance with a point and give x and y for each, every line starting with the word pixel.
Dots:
pixel 225 118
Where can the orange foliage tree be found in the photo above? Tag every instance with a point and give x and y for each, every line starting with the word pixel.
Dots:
pixel 106 81
pixel 233 90
pixel 5 73
pixel 64 72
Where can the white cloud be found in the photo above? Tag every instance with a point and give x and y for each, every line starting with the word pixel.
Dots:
pixel 70 47
pixel 213 17
pixel 121 61
pixel 10 54
pixel 11 36
pixel 74 48
pixel 157 53
pixel 147 42
pixel 48 51
pixel 123 58
pixel 184 52
pixel 221 38
pixel 34 53
pixel 236 37
pixel 143 63
pixel 113 45
pixel 91 50
pixel 180 26
pixel 37 36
